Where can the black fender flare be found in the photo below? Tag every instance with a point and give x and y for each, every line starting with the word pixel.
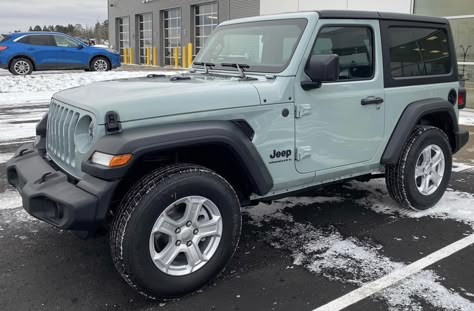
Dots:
pixel 410 117
pixel 152 139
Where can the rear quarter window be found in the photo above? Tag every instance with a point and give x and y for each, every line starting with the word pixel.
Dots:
pixel 418 52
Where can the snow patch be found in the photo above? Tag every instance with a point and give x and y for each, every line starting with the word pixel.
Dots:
pixel 461 167
pixel 466 117
pixel 4 157
pixel 454 205
pixel 10 200
pixel 350 261
pixel 265 212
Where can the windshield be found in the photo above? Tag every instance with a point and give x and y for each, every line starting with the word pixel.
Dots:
pixel 4 38
pixel 265 46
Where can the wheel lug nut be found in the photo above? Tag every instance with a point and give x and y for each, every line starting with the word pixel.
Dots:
pixel 178 230
pixel 178 243
pixel 196 231
pixel 189 243
pixel 188 224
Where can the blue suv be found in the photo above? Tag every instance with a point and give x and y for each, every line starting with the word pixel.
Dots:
pixel 23 53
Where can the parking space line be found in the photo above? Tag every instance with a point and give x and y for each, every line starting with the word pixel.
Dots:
pixel 396 276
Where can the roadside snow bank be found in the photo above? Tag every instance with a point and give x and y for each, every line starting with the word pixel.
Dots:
pixel 62 81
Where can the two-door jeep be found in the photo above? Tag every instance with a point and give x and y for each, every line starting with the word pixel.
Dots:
pixel 272 106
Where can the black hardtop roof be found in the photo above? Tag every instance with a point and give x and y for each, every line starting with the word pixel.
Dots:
pixel 348 14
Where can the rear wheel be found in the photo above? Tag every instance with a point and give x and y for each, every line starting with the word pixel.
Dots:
pixel 420 178
pixel 21 67
pixel 175 231
pixel 100 64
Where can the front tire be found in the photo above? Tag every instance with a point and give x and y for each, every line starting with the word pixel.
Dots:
pixel 21 67
pixel 175 231
pixel 100 64
pixel 420 178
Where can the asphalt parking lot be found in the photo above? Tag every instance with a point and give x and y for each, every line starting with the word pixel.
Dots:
pixel 296 254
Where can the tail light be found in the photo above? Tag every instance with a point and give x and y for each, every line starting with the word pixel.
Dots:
pixel 3 48
pixel 462 98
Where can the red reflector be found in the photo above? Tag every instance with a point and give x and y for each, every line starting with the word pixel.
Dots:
pixel 3 48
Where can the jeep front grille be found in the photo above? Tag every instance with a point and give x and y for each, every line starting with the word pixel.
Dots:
pixel 62 121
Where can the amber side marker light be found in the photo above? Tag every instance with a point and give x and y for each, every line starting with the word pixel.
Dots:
pixel 111 161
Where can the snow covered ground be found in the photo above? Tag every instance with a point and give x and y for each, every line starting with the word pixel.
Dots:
pixel 354 261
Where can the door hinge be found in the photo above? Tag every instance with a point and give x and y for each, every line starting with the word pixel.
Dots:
pixel 303 153
pixel 302 110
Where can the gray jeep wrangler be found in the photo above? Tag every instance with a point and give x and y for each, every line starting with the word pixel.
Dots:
pixel 272 106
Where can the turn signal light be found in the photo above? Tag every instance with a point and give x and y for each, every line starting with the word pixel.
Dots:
pixel 120 160
pixel 109 160
pixel 3 48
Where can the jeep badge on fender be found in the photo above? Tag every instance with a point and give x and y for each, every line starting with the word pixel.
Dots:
pixel 169 172
pixel 281 154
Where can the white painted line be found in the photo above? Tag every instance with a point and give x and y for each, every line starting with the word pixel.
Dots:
pixel 396 276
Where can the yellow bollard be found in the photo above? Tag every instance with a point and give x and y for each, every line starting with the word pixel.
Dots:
pixel 155 56
pixel 176 57
pixel 125 56
pixel 190 54
pixel 130 54
pixel 148 56
pixel 183 58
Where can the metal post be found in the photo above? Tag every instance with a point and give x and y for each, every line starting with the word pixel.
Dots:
pixel 155 57
pixel 190 54
pixel 130 54
pixel 184 58
pixel 125 56
pixel 148 56
pixel 176 57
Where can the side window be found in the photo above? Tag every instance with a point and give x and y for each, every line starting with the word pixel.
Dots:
pixel 353 44
pixel 43 40
pixel 418 52
pixel 25 40
pixel 63 41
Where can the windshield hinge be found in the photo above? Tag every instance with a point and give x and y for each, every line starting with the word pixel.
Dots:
pixel 302 110
pixel 112 122
pixel 303 153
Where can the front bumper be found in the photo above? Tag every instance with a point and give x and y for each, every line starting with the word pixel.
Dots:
pixel 462 137
pixel 3 66
pixel 54 197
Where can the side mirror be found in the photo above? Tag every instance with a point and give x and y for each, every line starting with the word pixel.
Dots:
pixel 80 47
pixel 321 68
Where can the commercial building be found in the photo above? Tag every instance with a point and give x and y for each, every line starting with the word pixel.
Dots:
pixel 159 32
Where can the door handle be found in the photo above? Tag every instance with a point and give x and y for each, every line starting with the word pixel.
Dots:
pixel 371 100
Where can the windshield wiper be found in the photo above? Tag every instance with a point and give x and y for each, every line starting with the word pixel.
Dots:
pixel 240 68
pixel 205 65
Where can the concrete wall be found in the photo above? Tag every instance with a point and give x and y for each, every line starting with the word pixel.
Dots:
pixel 227 9
pixel 281 6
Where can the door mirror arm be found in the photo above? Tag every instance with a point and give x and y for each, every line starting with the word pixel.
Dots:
pixel 311 85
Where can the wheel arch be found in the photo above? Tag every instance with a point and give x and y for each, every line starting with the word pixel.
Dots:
pixel 436 112
pixel 22 56
pixel 223 146
pixel 100 55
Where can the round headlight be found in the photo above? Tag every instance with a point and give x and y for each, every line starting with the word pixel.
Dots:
pixel 84 134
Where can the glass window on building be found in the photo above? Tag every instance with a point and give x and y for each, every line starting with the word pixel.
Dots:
pixel 145 22
pixel 124 34
pixel 461 16
pixel 172 34
pixel 205 21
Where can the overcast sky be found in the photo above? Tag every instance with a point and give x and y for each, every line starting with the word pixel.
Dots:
pixel 21 14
